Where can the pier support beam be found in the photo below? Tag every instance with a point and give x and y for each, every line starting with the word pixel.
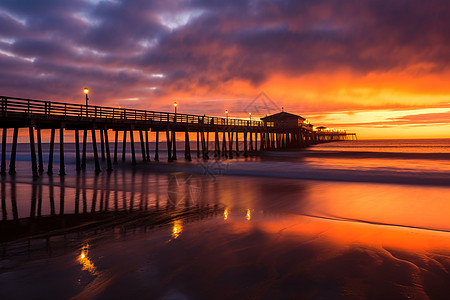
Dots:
pixel 174 143
pixel 216 144
pixel 230 143
pixel 245 144
pixel 157 146
pixel 169 146
pixel 224 144
pixel 50 152
pixel 147 146
pixel 204 150
pixel 141 137
pixel 39 140
pixel 187 146
pixel 102 144
pixel 77 150
pixel 12 161
pixel 133 152
pixel 198 144
pixel 34 168
pixel 207 144
pixel 5 134
pixel 261 141
pixel 116 144
pixel 62 168
pixel 124 148
pixel 83 158
pixel 94 146
pixel 108 153
pixel 237 143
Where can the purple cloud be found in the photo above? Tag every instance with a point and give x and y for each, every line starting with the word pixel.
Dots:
pixel 51 48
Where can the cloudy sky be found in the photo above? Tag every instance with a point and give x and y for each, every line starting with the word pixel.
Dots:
pixel 378 67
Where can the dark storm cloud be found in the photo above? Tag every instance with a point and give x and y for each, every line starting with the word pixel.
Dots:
pixel 51 44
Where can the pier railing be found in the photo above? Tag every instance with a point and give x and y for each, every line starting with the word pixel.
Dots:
pixel 49 108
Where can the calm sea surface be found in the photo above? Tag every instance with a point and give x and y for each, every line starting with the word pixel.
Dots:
pixel 350 220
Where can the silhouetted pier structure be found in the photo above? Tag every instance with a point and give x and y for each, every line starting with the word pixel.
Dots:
pixel 96 121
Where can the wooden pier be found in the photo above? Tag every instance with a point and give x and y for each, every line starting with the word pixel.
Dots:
pixel 99 121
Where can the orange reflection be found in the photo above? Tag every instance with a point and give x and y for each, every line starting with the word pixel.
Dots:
pixel 177 228
pixel 249 215
pixel 351 233
pixel 84 260
pixel 225 214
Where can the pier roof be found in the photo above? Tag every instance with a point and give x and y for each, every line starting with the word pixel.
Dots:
pixel 281 115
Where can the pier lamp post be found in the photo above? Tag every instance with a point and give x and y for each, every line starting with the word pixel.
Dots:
pixel 250 115
pixel 86 92
pixel 175 107
pixel 226 112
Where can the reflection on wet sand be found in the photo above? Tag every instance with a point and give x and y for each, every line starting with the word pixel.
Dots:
pixel 162 196
pixel 84 260
pixel 272 239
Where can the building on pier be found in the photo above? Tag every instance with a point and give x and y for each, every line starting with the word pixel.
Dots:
pixel 284 120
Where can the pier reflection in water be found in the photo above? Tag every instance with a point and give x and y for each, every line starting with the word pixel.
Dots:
pixel 132 234
pixel 55 205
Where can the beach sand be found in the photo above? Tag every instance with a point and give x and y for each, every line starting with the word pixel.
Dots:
pixel 223 237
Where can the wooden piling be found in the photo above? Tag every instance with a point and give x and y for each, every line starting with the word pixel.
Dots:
pixel 207 144
pixel 245 144
pixel 169 146
pixel 39 140
pixel 261 141
pixel 224 144
pixel 187 147
pixel 174 143
pixel 94 146
pixel 62 168
pixel 116 144
pixel 157 146
pixel 141 137
pixel 3 167
pixel 216 144
pixel 202 134
pixel 124 148
pixel 50 152
pixel 133 153
pixel 230 143
pixel 237 143
pixel 83 158
pixel 12 161
pixel 251 142
pixel 198 144
pixel 77 150
pixel 147 145
pixel 108 153
pixel 102 144
pixel 34 167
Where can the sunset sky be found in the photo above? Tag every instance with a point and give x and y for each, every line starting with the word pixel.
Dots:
pixel 376 67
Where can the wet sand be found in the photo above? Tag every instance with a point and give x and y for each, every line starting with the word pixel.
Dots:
pixel 140 234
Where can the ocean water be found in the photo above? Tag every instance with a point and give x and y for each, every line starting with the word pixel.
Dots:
pixel 342 220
